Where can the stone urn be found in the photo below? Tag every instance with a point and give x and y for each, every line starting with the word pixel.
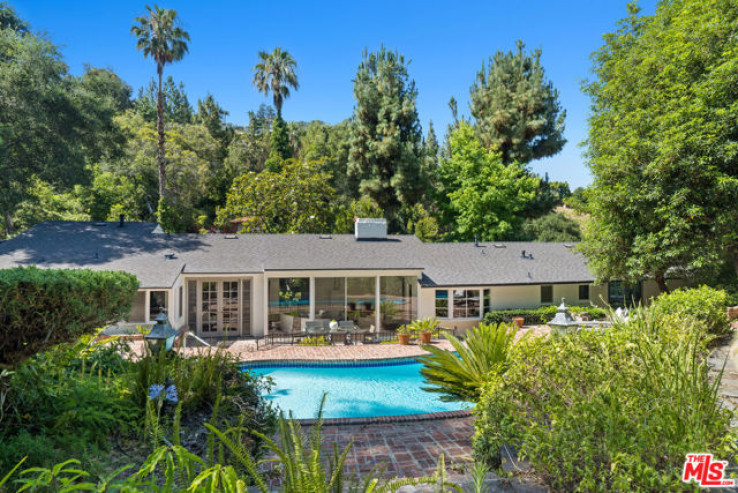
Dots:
pixel 333 325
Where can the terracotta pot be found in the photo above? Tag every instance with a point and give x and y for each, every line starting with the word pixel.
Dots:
pixel 518 321
pixel 425 337
pixel 404 339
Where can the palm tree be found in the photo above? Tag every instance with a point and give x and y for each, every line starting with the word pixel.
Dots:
pixel 275 73
pixel 159 36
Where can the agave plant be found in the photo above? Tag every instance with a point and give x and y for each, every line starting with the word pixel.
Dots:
pixel 459 375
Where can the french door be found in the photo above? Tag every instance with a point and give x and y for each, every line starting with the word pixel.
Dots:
pixel 220 308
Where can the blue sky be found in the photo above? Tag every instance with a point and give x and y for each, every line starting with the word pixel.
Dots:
pixel 446 41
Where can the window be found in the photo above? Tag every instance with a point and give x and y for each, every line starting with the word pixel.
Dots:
pixel 584 292
pixel 547 294
pixel 442 303
pixel 157 301
pixel 487 298
pixel 361 298
pixel 330 298
pixel 209 307
pixel 466 303
pixel 180 296
pixel 620 295
pixel 229 307
pixel 398 302
pixel 289 295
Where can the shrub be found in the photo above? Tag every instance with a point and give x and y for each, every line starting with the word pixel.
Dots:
pixel 705 305
pixel 611 410
pixel 460 377
pixel 42 308
pixel 540 315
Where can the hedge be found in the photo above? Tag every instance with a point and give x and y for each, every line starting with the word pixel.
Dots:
pixel 704 305
pixel 540 315
pixel 40 308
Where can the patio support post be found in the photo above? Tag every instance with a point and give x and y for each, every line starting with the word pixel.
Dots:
pixel 147 308
pixel 266 304
pixel 312 297
pixel 377 305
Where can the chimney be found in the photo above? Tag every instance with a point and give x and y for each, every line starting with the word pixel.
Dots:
pixel 121 220
pixel 370 229
pixel 523 254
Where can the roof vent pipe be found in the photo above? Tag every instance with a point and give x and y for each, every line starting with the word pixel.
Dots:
pixel 476 244
pixel 523 254
pixel 121 220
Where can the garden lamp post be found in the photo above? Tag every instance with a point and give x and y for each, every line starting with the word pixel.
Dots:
pixel 162 332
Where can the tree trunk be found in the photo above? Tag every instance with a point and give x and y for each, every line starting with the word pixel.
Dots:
pixel 661 281
pixel 160 159
pixel 8 224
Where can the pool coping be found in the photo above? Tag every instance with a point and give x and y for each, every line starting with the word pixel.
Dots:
pixel 311 363
pixel 402 418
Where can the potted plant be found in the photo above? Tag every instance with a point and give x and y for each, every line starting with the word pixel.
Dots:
pixel 403 335
pixel 425 328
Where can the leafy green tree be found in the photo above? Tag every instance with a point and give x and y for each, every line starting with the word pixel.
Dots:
pixel 280 148
pixel 516 108
pixel 549 195
pixel 295 199
pixel 250 147
pixel 330 145
pixel 9 19
pixel 482 197
pixel 177 107
pixel 106 85
pixel 44 203
pixel 386 151
pixel 275 74
pixel 554 226
pixel 346 215
pixel 159 36
pixel 430 157
pixel 50 124
pixel 661 143
pixel 422 224
pixel 211 115
pixel 195 185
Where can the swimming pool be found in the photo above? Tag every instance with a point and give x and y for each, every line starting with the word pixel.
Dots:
pixel 355 390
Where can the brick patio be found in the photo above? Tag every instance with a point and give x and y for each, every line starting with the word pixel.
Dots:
pixel 246 349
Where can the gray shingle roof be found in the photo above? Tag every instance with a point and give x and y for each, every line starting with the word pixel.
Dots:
pixel 464 264
pixel 133 248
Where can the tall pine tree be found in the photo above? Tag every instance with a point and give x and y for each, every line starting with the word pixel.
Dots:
pixel 516 108
pixel 386 151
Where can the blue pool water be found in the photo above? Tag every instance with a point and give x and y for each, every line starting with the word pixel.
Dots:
pixel 353 391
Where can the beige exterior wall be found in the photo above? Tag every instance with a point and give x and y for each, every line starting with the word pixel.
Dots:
pixel 649 288
pixel 509 297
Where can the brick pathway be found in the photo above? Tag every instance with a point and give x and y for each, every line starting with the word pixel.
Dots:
pixel 405 449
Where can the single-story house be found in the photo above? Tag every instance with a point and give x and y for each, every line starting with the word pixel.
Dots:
pixel 249 284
